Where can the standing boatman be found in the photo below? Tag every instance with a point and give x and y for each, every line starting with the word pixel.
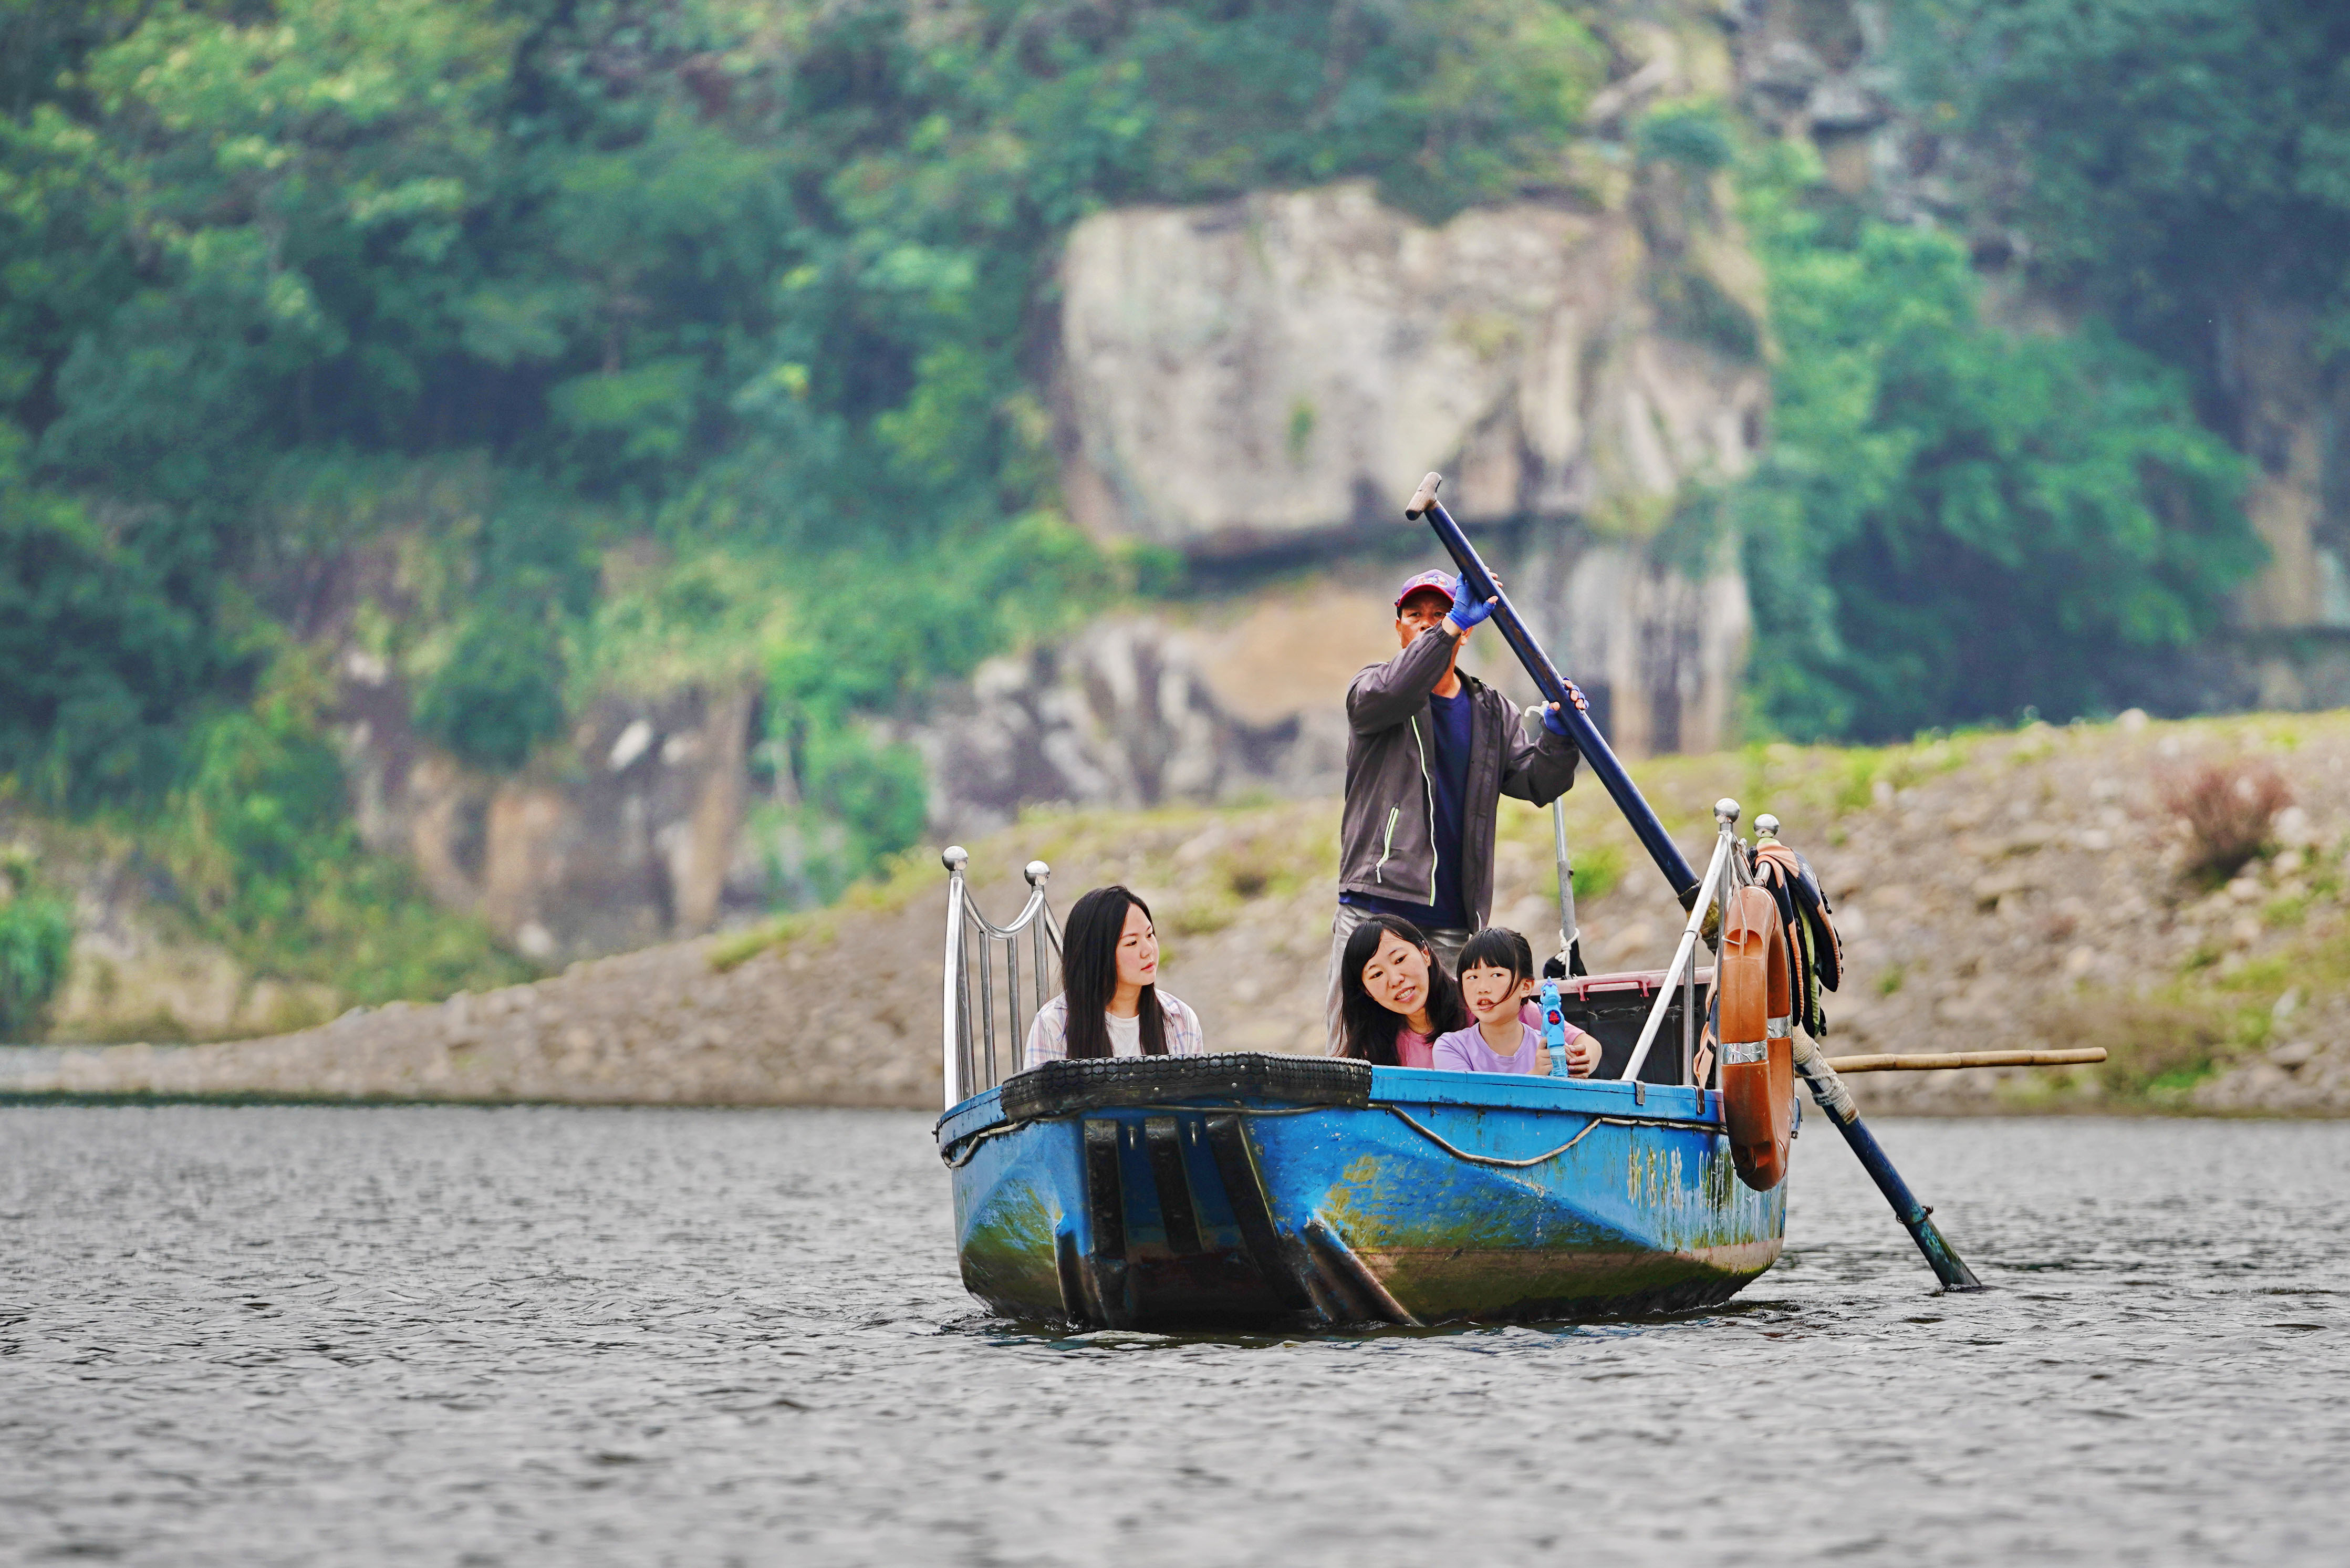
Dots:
pixel 1430 753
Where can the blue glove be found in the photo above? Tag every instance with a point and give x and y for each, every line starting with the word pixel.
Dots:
pixel 1467 608
pixel 1555 722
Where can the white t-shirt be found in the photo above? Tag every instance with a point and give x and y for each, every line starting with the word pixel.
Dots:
pixel 1048 1037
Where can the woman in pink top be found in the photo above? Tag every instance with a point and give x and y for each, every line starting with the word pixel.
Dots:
pixel 1394 997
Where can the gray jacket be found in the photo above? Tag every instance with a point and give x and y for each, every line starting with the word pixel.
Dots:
pixel 1387 843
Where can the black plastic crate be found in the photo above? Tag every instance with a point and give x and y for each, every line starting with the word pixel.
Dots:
pixel 1615 1006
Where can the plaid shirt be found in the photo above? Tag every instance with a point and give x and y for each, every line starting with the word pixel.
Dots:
pixel 1048 1037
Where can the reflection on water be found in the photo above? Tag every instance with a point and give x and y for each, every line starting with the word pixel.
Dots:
pixel 269 1336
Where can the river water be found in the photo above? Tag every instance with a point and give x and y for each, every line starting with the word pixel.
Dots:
pixel 301 1335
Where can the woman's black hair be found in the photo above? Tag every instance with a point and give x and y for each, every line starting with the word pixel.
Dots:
pixel 1090 973
pixel 1498 947
pixel 1366 1030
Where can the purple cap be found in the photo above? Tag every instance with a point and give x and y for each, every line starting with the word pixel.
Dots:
pixel 1441 581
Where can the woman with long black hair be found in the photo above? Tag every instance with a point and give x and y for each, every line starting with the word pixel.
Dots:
pixel 1394 995
pixel 1111 1005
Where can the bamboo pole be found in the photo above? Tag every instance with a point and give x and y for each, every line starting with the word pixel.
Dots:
pixel 1934 1061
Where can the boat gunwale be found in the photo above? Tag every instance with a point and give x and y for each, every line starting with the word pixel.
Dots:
pixel 1393 1089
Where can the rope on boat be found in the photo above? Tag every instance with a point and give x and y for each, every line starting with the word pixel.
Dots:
pixel 958 1161
pixel 1459 1153
pixel 969 1146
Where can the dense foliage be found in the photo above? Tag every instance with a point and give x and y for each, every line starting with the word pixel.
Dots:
pixel 36 932
pixel 699 339
pixel 1955 523
pixel 260 842
pixel 755 283
pixel 2169 161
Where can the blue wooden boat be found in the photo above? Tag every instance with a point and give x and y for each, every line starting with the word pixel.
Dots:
pixel 1261 1191
pixel 1255 1191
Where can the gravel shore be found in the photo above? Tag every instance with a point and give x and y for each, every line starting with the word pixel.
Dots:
pixel 2006 891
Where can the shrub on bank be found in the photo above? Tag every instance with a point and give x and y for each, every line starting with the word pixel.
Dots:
pixel 36 932
pixel 2228 809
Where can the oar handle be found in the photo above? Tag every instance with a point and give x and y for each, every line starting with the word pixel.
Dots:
pixel 1556 687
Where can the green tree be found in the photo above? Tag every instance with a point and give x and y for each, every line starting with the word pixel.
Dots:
pixel 746 285
pixel 36 933
pixel 263 849
pixel 1953 521
pixel 104 657
pixel 501 691
pixel 2168 159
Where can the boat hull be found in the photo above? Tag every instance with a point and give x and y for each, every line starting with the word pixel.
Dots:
pixel 1434 1196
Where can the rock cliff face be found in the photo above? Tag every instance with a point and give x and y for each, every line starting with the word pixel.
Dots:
pixel 1126 713
pixel 629 835
pixel 1245 699
pixel 2293 649
pixel 1278 372
pixel 1274 373
pixel 1143 710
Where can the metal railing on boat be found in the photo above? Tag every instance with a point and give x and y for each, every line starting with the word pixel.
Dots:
pixel 970 1062
pixel 1724 874
pixel 969 1057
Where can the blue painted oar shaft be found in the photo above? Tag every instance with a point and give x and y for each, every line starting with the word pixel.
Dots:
pixel 1594 747
pixel 1948 1266
pixel 1835 1099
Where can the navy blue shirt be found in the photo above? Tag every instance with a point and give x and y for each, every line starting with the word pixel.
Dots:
pixel 1447 781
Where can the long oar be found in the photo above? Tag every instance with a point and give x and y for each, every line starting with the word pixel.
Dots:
pixel 1825 1087
pixel 1596 750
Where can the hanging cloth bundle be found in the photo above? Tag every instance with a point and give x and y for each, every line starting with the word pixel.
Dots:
pixel 1812 945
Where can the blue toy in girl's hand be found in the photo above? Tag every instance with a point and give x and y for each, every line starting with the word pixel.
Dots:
pixel 1554 1028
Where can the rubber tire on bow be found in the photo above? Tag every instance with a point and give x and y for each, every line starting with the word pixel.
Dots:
pixel 1057 1088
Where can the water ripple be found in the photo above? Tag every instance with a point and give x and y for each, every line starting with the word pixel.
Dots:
pixel 277 1335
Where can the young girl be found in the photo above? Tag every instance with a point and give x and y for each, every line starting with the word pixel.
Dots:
pixel 1395 998
pixel 1497 975
pixel 1112 1006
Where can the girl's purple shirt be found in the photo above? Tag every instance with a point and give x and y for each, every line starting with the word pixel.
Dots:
pixel 1465 1050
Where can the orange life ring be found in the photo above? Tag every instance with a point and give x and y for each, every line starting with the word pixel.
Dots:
pixel 1757 1047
